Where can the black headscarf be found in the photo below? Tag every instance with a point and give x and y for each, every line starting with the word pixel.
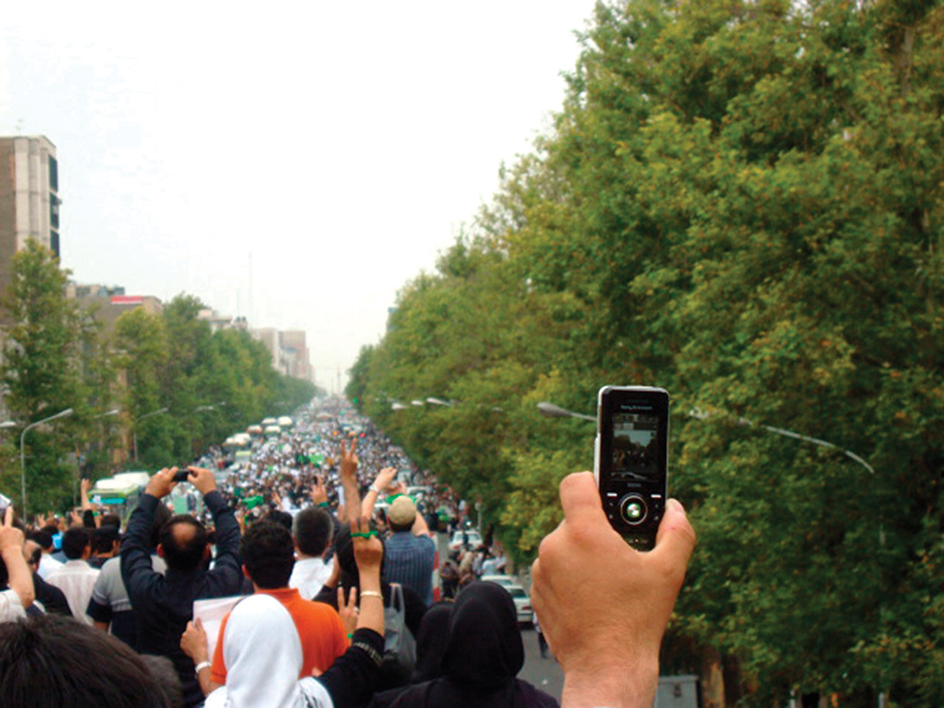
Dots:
pixel 431 642
pixel 484 650
pixel 483 656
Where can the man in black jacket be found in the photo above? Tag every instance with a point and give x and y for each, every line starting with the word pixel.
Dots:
pixel 164 603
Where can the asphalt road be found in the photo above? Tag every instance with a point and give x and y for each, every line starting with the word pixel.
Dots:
pixel 545 674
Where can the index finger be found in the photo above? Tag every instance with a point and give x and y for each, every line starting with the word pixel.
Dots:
pixel 675 538
pixel 8 516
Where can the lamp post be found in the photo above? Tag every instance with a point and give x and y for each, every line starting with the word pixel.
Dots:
pixel 134 431
pixel 61 414
pixel 549 410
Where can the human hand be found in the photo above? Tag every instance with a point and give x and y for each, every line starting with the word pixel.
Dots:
pixel 193 642
pixel 76 518
pixel 319 495
pixel 161 483
pixel 368 550
pixel 202 479
pixel 385 477
pixel 11 538
pixel 85 485
pixel 348 610
pixel 398 487
pixel 349 460
pixel 604 605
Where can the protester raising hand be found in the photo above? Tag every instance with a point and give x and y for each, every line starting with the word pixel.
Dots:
pixel 368 554
pixel 348 610
pixel 349 459
pixel 21 594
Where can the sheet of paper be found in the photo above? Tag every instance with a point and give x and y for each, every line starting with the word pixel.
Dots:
pixel 211 614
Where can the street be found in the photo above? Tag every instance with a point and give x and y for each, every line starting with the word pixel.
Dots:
pixel 544 674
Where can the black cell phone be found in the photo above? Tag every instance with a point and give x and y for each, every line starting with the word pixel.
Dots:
pixel 631 460
pixel 183 473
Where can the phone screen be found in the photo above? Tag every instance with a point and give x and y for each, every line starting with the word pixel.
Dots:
pixel 636 447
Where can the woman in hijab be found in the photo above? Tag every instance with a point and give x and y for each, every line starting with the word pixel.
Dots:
pixel 430 645
pixel 482 658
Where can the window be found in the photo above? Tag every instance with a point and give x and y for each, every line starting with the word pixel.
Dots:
pixel 53 174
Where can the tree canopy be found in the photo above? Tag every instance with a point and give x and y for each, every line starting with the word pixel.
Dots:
pixel 740 202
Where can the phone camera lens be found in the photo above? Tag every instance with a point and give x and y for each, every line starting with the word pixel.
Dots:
pixel 633 509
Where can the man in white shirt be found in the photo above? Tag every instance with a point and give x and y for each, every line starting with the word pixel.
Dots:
pixel 47 563
pixel 76 578
pixel 312 530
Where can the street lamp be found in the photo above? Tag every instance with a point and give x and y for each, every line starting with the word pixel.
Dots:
pixel 61 414
pixel 549 410
pixel 134 431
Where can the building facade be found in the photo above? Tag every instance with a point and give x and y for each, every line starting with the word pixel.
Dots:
pixel 29 197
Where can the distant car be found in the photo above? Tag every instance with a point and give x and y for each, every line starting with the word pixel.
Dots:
pixel 522 603
pixel 506 581
pixel 469 537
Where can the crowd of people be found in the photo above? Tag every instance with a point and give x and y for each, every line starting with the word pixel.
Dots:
pixel 304 577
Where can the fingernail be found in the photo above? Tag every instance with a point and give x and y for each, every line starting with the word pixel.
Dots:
pixel 677 506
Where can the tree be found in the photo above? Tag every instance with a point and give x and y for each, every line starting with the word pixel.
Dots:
pixel 41 371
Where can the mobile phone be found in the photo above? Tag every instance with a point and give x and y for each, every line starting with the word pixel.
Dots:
pixel 183 473
pixel 631 460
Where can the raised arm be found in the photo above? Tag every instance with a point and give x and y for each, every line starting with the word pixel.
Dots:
pixel 586 569
pixel 352 495
pixel 11 549
pixel 353 678
pixel 378 487
pixel 136 570
pixel 226 576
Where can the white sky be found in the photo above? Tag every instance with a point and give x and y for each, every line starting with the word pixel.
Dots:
pixel 337 147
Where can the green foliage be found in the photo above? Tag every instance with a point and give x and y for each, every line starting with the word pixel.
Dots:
pixel 41 371
pixel 740 202
pixel 211 383
pixel 56 357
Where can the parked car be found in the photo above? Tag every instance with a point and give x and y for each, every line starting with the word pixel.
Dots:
pixel 522 603
pixel 506 581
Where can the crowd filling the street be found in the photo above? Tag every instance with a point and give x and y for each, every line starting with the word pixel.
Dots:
pixel 309 562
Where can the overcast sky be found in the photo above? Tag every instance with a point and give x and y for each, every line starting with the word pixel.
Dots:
pixel 295 163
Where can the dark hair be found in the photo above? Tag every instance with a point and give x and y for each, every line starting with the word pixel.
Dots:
pixel 104 539
pixel 268 554
pixel 313 529
pixel 44 663
pixel 184 553
pixel 88 519
pixel 42 537
pixel 168 680
pixel 277 516
pixel 111 520
pixel 37 555
pixel 161 516
pixel 74 542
